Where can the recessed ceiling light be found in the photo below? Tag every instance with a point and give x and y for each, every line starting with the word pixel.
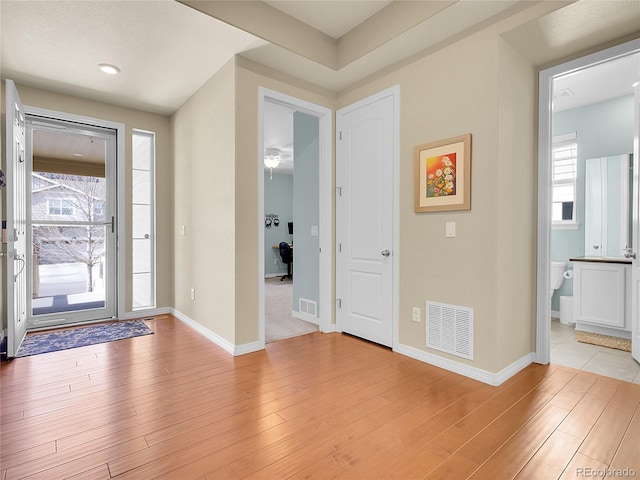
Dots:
pixel 109 69
pixel 636 84
pixel 78 155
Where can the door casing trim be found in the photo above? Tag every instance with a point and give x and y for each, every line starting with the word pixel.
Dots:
pixel 325 230
pixel 545 112
pixel 121 250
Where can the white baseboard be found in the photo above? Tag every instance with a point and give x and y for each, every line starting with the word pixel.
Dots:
pixel 555 314
pixel 306 317
pixel 475 373
pixel 273 275
pixel 331 328
pixel 226 345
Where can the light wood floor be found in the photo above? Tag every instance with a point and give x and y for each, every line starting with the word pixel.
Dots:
pixel 174 405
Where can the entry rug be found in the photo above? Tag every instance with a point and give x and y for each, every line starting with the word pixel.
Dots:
pixel 36 344
pixel 623 344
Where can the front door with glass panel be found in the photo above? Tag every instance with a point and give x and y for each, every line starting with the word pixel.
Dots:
pixel 71 223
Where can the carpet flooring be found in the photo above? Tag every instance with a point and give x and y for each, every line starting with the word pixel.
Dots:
pixel 37 343
pixel 279 323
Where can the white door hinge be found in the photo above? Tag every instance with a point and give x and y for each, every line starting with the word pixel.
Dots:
pixel 340 134
pixel 339 191
pixel 339 302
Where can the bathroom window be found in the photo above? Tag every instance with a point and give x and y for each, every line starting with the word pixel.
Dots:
pixel 565 161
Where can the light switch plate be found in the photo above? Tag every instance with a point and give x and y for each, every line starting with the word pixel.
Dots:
pixel 450 230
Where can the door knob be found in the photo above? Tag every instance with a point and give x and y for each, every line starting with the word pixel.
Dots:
pixel 596 246
pixel 386 253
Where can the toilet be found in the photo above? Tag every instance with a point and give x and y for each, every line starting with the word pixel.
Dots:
pixel 557 275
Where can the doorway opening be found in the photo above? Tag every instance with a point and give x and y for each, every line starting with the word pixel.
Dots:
pixel 588 210
pixel 295 209
pixel 72 219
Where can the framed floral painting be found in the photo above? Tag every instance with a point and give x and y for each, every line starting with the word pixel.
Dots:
pixel 443 175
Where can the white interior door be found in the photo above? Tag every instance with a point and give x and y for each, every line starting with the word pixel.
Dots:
pixel 365 206
pixel 635 265
pixel 16 220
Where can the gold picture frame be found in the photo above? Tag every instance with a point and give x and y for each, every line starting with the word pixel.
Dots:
pixel 442 175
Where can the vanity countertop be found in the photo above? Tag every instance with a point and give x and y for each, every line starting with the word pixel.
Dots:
pixel 600 259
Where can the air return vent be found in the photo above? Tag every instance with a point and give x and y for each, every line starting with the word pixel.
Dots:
pixel 308 306
pixel 450 329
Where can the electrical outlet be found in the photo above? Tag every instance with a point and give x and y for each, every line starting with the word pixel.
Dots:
pixel 183 230
pixel 275 261
pixel 193 294
pixel 416 314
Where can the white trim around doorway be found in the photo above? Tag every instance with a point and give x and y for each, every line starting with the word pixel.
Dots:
pixel 545 109
pixel 325 116
pixel 120 196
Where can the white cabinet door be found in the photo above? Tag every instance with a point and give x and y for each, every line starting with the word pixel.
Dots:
pixel 599 294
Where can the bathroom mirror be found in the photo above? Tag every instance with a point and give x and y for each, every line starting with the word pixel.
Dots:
pixel 607 206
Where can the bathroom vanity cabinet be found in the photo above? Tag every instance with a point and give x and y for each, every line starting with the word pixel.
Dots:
pixel 602 295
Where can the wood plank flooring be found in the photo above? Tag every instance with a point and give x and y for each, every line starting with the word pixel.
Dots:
pixel 175 406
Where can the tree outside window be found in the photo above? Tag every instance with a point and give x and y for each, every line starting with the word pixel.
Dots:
pixel 78 199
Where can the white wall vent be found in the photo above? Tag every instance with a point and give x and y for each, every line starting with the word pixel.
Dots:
pixel 308 306
pixel 450 329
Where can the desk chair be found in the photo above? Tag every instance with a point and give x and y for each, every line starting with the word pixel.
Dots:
pixel 287 257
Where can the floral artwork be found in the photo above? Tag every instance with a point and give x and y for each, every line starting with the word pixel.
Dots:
pixel 441 175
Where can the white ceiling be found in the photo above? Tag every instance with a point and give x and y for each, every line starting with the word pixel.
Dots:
pixel 167 50
pixel 335 18
pixel 597 83
pixel 278 134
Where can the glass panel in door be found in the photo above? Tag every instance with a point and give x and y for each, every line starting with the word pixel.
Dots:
pixel 72 266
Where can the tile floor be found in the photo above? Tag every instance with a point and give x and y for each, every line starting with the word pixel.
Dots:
pixel 567 351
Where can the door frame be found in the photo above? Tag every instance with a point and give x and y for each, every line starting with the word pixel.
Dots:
pixel 394 92
pixel 545 138
pixel 325 230
pixel 120 241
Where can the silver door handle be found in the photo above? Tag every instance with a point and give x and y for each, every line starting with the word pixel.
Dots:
pixel 112 223
pixel 596 246
pixel 386 253
pixel 629 253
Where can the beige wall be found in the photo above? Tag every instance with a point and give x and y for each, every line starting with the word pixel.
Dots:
pixel 481 86
pixel 516 205
pixel 132 119
pixel 216 188
pixel 249 77
pixel 205 157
